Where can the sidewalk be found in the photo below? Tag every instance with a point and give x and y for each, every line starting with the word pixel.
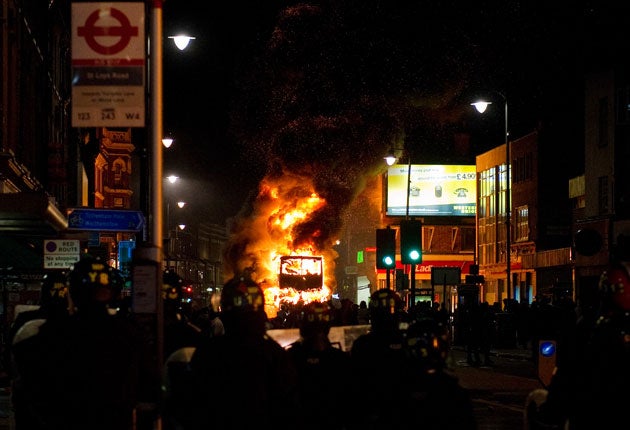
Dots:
pixel 6 413
pixel 514 353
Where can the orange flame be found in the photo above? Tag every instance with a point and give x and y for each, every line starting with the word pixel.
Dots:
pixel 283 207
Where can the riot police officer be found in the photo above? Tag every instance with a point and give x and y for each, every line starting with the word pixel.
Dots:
pixel 243 379
pixel 377 359
pixel 322 370
pixel 91 372
pixel 53 309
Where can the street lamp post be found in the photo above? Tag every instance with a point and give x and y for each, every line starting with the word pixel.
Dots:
pixel 390 160
pixel 148 260
pixel 481 107
pixel 412 267
pixel 156 123
pixel 155 253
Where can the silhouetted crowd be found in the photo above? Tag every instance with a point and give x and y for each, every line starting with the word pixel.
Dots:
pixel 394 377
pixel 80 361
pixel 590 387
pixel 77 363
pixel 481 327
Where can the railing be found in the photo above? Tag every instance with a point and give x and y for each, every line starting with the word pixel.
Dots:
pixel 550 258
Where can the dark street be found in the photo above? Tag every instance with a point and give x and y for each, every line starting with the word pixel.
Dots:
pixel 498 392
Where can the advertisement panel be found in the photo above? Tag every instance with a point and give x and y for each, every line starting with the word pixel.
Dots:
pixel 434 190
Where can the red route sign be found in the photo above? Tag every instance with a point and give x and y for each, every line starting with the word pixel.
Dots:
pixel 90 32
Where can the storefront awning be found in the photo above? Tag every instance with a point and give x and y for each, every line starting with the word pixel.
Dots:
pixel 30 213
pixel 19 254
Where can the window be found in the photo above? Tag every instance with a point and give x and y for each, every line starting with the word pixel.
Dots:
pixel 602 194
pixel 522 168
pixel 301 272
pixel 602 123
pixel 504 187
pixel 623 106
pixel 468 238
pixel 119 169
pixel 427 238
pixel 487 254
pixel 521 232
pixel 486 194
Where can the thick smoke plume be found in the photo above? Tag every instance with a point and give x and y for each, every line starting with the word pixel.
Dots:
pixel 327 101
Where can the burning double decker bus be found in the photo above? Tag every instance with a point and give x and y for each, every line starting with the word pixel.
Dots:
pixel 301 272
pixel 300 278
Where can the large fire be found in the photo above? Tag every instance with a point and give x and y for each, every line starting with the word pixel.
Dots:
pixel 282 223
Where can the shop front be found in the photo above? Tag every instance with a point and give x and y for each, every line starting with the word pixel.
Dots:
pixel 426 287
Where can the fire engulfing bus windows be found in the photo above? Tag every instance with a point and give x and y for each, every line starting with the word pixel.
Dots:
pixel 301 272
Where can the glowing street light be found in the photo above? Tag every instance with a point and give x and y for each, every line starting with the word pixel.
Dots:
pixel 167 141
pixel 181 41
pixel 180 205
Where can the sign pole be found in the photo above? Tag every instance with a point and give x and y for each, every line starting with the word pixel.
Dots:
pixel 148 260
pixel 156 152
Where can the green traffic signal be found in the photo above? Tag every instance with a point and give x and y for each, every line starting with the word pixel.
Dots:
pixel 411 242
pixel 385 248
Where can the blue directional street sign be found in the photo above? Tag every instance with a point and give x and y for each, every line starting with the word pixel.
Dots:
pixel 105 220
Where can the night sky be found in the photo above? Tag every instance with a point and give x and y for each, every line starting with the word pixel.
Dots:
pixel 328 88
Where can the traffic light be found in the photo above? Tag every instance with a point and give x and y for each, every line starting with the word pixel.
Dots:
pixel 410 242
pixel 402 280
pixel 385 248
pixel 188 293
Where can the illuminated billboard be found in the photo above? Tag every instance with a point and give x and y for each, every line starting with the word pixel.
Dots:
pixel 434 190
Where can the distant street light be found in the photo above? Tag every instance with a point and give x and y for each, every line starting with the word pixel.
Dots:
pixel 168 216
pixel 481 108
pixel 180 204
pixel 172 178
pixel 167 141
